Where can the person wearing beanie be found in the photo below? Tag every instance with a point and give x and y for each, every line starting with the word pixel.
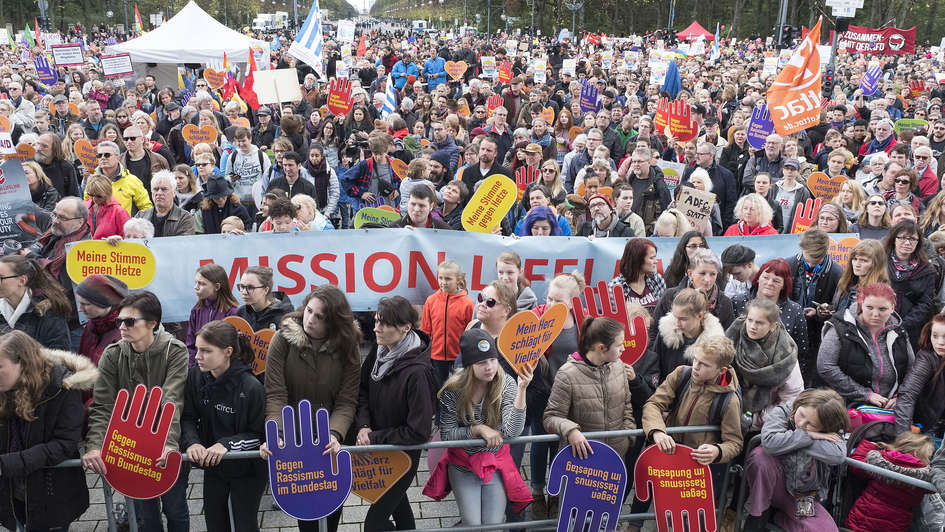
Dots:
pixel 440 166
pixel 604 222
pixel 483 478
pixel 738 267
pixel 97 297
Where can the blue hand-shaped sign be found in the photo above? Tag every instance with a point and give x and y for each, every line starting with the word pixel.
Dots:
pixel 589 95
pixel 594 485
pixel 45 72
pixel 870 80
pixel 306 483
pixel 759 127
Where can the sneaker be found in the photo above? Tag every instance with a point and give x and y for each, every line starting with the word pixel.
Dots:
pixel 539 506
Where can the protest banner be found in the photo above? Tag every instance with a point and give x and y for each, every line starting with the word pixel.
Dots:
pixel 456 69
pixel 374 215
pixel 840 249
pixel 24 152
pixel 525 337
pixel 489 204
pixel 6 143
pixel 258 339
pixel 825 187
pixel 67 55
pixel 634 335
pixel 569 66
pixel 593 486
pixel 17 210
pixel 885 41
pixel 374 473
pixel 131 262
pixel 696 205
pixel 489 66
pixel 117 65
pixel 195 135
pixel 676 115
pixel 339 97
pixel 277 86
pixel 910 124
pixel 677 484
pixel 672 173
pixel 306 483
pixel 130 451
pixel 541 71
pixel 362 264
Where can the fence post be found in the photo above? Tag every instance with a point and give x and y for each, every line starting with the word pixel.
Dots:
pixel 323 524
pixel 109 506
pixel 132 515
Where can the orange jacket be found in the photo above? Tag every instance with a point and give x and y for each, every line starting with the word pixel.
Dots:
pixel 445 317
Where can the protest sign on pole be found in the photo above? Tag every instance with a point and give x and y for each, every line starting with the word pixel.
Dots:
pixel 593 486
pixel 696 205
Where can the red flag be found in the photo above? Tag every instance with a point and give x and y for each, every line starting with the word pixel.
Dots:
pixel 794 98
pixel 39 41
pixel 246 89
pixel 362 46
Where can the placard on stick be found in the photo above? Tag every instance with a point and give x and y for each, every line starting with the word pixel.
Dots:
pixel 117 65
pixel 277 86
pixel 526 337
pixel 696 205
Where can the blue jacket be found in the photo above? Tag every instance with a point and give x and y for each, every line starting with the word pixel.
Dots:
pixel 434 69
pixel 401 71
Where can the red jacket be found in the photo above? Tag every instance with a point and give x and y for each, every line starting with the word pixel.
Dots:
pixel 110 219
pixel 928 183
pixel 886 505
pixel 742 229
pixel 445 317
pixel 484 465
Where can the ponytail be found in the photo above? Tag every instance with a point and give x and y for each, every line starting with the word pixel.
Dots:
pixel 223 334
pixel 598 331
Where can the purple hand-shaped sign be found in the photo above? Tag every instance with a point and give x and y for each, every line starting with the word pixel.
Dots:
pixel 44 71
pixel 870 80
pixel 589 95
pixel 759 127
pixel 306 483
pixel 595 484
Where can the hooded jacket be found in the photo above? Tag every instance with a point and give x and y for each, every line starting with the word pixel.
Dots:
pixel 445 317
pixel 201 314
pixel 108 221
pixel 672 347
pixel 163 363
pixel 54 497
pixel 229 410
pixel 590 398
pixel 128 190
pixel 919 383
pixel 693 409
pixel 269 317
pixel 915 297
pixel 886 504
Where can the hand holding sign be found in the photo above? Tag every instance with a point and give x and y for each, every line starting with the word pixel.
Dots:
pixel 494 102
pixel 339 97
pixel 663 472
pixel 133 453
pixel 45 72
pixel 870 80
pixel 526 337
pixel 804 215
pixel 306 483
pixel 589 94
pixel 612 306
pixel 759 127
pixel 592 485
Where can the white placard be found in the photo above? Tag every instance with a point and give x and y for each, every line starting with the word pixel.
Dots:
pixel 569 66
pixel 541 73
pixel 67 55
pixel 117 65
pixel 6 143
pixel 771 66
pixel 277 86
pixel 49 39
pixel 345 31
pixel 488 66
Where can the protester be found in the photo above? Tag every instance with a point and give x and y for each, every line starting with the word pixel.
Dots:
pixel 98 297
pixel 263 308
pixel 912 277
pixel 167 218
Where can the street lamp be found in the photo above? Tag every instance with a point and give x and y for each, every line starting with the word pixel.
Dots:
pixel 573 7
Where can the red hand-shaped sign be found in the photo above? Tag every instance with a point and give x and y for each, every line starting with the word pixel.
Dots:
pixel 678 484
pixel 130 450
pixel 494 102
pixel 804 215
pixel 612 302
pixel 916 88
pixel 677 115
pixel 505 71
pixel 523 177
pixel 339 97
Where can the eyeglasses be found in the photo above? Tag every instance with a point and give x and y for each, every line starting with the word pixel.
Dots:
pixel 247 287
pixel 923 157
pixel 104 155
pixel 490 302
pixel 204 164
pixel 132 138
pixel 903 182
pixel 61 219
pixel 696 246
pixel 127 322
pixel 2 277
pixel 877 202
pixel 908 239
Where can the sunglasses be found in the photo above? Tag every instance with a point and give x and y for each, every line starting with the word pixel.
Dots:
pixel 127 322
pixel 104 155
pixel 877 203
pixel 132 138
pixel 491 302
pixel 903 182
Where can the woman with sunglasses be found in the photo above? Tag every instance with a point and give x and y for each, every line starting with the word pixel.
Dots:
pixel 903 184
pixel 912 276
pixel 262 307
pixel 33 302
pixel 149 355
pixel 106 216
pixel 874 220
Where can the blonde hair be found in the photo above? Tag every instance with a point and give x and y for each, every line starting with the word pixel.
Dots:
pixel 452 265
pixel 765 213
pixel 719 347
pixel 460 383
pixel 38 170
pixel 874 250
pixel 99 185
pixel 859 196
pixel 19 348
pixel 417 168
pixel 918 445
pixel 573 283
pixel 690 300
pixel 673 216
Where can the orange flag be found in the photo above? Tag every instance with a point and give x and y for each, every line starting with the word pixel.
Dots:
pixel 362 46
pixel 794 97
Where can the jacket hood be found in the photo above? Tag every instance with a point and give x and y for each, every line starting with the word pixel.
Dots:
pixel 526 298
pixel 731 381
pixel 292 330
pixel 899 462
pixel 849 316
pixel 82 373
pixel 160 347
pixel 673 336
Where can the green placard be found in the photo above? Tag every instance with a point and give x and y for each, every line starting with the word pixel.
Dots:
pixel 375 216
pixel 910 124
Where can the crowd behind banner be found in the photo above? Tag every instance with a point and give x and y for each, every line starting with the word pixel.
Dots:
pixel 793 330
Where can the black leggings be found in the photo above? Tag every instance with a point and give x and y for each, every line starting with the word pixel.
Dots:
pixel 394 504
pixel 242 493
pixel 333 519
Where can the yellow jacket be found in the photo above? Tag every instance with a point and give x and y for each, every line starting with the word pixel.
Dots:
pixel 129 191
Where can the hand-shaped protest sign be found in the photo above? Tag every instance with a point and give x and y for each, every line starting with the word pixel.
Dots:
pixel 804 215
pixel 339 97
pixel 45 72
pixel 593 485
pixel 306 483
pixel 612 306
pixel 677 115
pixel 916 88
pixel 494 102
pixel 661 120
pixel 870 80
pixel 679 485
pixel 759 127
pixel 589 97
pixel 505 71
pixel 130 451
pixel 524 176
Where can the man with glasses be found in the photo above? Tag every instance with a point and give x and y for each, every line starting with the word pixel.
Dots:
pixel 24 109
pixel 769 161
pixel 141 162
pixel 723 181
pixel 650 194
pixel 126 188
pixel 69 224
pixel 604 222
pixel 928 181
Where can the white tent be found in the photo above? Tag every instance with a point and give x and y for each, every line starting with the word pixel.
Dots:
pixel 191 36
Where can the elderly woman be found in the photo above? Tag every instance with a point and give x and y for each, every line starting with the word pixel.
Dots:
pixel 106 215
pixel 146 124
pixel 904 183
pixel 703 270
pixel 754 215
pixel 865 353
pixel 912 276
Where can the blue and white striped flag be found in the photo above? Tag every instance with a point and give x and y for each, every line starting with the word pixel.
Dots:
pixel 716 53
pixel 307 46
pixel 390 98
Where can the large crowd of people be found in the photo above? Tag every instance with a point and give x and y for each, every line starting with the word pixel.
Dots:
pixel 791 349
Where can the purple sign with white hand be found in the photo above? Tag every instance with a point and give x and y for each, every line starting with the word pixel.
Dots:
pixel 595 484
pixel 759 127
pixel 306 483
pixel 589 97
pixel 870 80
pixel 45 72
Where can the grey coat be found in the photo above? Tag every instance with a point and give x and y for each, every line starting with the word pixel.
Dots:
pixel 179 222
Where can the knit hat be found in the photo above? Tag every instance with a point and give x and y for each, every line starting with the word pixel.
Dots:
pixel 442 157
pixel 217 187
pixel 476 345
pixel 603 197
pixel 102 290
pixel 737 255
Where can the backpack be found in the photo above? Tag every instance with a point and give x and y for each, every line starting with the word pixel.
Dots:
pixel 719 403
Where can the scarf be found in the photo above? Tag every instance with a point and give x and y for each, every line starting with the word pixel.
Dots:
pixel 762 365
pixel 809 277
pixel 321 177
pixel 712 298
pixel 902 269
pixel 544 141
pixel 92 336
pixel 387 357
pixel 55 264
pixel 12 315
pixel 875 146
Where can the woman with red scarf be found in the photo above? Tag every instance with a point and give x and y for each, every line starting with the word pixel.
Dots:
pixel 97 297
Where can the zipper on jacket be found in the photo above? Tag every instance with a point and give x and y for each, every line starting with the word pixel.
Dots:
pixel 693 405
pixel 445 327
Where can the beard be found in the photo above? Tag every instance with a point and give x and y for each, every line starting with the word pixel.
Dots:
pixel 42 159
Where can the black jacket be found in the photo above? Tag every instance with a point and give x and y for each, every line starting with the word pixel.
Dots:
pixel 724 188
pixel 269 317
pixel 854 356
pixel 45 196
pixel 63 177
pixel 650 196
pixel 620 230
pixel 915 298
pixel 301 186
pixel 54 497
pixel 230 411
pixel 42 325
pixel 734 159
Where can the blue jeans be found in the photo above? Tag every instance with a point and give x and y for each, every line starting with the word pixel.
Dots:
pixel 479 504
pixel 173 504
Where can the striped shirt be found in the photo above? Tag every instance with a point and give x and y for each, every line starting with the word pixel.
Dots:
pixel 451 423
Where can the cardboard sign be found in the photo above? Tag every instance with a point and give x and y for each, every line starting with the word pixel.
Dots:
pixel 910 124
pixel 635 336
pixel 759 127
pixel 4 124
pixel 375 215
pixel 339 97
pixel 824 187
pixel 593 486
pixel 526 337
pixel 277 86
pixel 195 135
pixel 398 167
pixel 130 451
pixel 214 79
pixel 67 55
pixel 456 69
pixel 696 205
pixel 6 144
pixel 548 113
pixel 569 67
pixel 505 71
pixel 677 116
pixel 489 204
pixel 804 215
pixel 84 150
pixel 117 65
pixel 672 173
pixel 678 484
pixel 258 339
pixel 241 122
pixel 131 262
pixel 839 250
pixel 374 473
pixel 306 484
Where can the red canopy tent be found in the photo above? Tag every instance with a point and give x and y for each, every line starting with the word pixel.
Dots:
pixel 694 31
